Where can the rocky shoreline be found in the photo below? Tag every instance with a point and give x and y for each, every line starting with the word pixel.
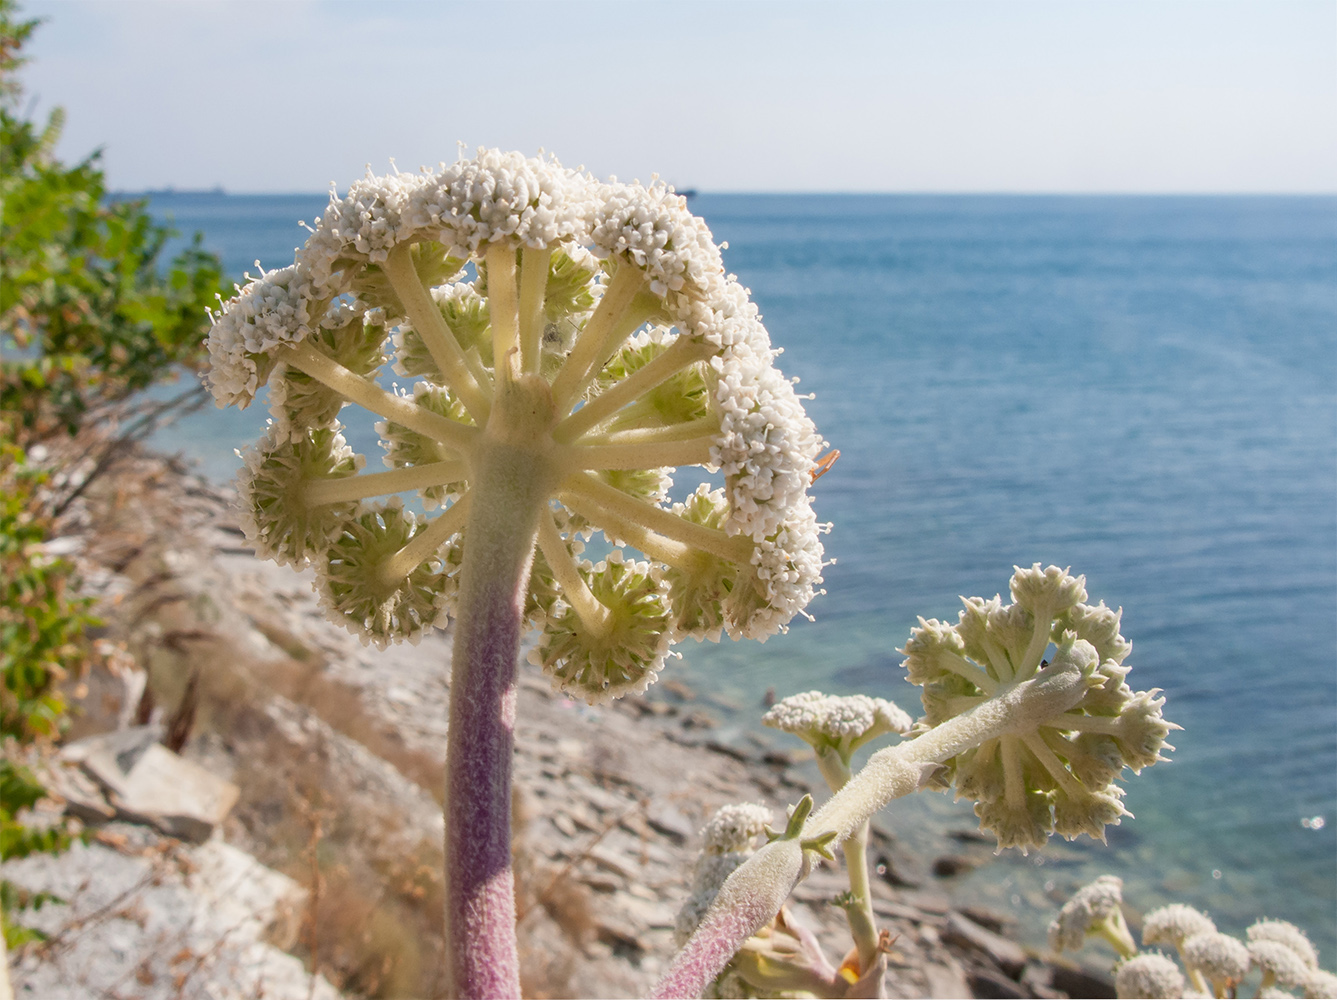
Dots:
pixel 335 751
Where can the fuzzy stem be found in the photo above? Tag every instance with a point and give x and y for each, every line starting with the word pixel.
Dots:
pixel 889 774
pixel 600 337
pixel 503 306
pixel 734 548
pixel 534 266
pixel 369 396
pixel 739 911
pixel 379 484
pixel 835 769
pixel 682 353
pixel 436 335
pixel 512 480
pixel 695 451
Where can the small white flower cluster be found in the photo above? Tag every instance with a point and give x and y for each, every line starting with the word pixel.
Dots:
pixel 1058 776
pixel 1091 906
pixel 272 310
pixel 842 722
pixel 1216 963
pixel 317 333
pixel 497 195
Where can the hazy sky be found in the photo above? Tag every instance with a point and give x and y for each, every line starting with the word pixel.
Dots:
pixel 925 95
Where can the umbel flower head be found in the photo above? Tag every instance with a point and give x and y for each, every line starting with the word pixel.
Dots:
pixel 1050 774
pixel 1094 909
pixel 585 332
pixel 838 723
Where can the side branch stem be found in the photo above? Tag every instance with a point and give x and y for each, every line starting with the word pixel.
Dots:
pixel 734 548
pixel 436 335
pixel 593 615
pixel 503 305
pixel 676 554
pixel 650 455
pixel 703 427
pixel 369 396
pixel 378 484
pixel 534 266
pixel 681 353
pixel 592 347
pixel 426 542
pixel 889 774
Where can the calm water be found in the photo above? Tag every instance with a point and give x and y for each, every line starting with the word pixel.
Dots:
pixel 1140 388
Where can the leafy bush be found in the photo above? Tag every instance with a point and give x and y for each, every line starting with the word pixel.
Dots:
pixel 81 296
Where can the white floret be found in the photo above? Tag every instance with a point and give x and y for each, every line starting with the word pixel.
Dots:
pixel 533 201
pixel 733 827
pixel 1289 935
pixel 814 715
pixel 1320 983
pixel 366 223
pixel 766 446
pixel 651 227
pixel 1173 924
pixel 1148 977
pixel 1284 964
pixel 788 569
pixel 1088 906
pixel 1219 957
pixel 269 313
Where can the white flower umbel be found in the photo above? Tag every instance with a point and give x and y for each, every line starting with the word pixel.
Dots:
pixel 1094 909
pixel 570 343
pixel 1148 977
pixel 1173 925
pixel 1219 958
pixel 1285 933
pixel 992 681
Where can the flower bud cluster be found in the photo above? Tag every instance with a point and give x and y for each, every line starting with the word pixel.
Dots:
pixel 1051 774
pixel 414 266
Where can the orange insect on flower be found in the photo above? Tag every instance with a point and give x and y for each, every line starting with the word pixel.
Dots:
pixel 824 464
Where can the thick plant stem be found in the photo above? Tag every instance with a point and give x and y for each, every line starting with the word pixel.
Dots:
pixel 511 483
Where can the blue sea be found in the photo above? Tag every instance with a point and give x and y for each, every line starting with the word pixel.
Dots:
pixel 1141 388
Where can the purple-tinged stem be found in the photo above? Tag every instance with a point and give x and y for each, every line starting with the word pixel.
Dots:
pixel 742 907
pixel 510 485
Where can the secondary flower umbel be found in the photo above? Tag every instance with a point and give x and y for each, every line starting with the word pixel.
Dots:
pixel 1055 774
pixel 583 333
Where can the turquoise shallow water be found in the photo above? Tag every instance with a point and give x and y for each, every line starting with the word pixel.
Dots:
pixel 1140 388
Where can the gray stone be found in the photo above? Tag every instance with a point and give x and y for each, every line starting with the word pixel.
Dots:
pixel 1007 955
pixel 147 783
pixel 668 820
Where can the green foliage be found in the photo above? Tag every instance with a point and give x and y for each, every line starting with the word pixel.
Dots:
pixel 43 638
pixel 86 319
pixel 81 295
pixel 43 621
